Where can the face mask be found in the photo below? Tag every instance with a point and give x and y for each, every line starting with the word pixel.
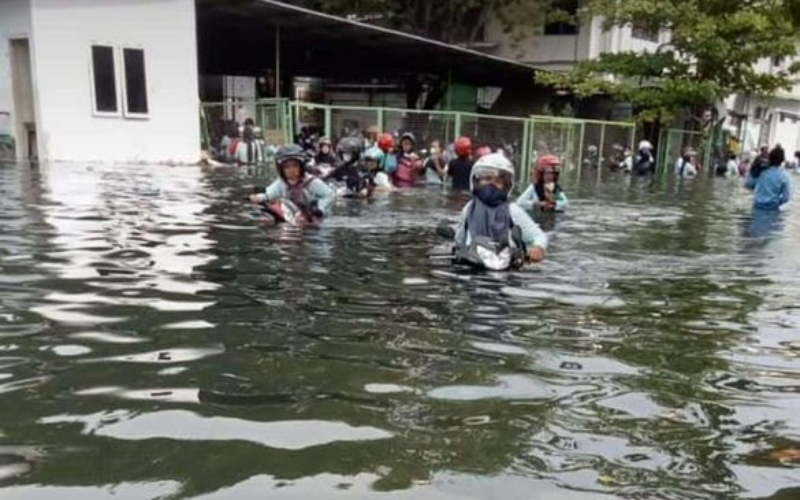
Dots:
pixel 550 186
pixel 490 195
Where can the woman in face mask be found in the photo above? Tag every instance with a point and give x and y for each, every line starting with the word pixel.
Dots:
pixel 490 213
pixel 544 192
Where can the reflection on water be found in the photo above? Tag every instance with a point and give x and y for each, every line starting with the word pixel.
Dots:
pixel 157 342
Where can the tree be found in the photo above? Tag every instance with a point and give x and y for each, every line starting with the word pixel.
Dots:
pixel 451 21
pixel 713 52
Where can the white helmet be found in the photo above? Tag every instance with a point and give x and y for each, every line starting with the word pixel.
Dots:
pixel 493 163
pixel 645 145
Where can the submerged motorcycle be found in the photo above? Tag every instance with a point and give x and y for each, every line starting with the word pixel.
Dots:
pixel 482 254
pixel 286 212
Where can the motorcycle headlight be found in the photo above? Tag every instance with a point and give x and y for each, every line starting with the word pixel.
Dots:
pixel 494 261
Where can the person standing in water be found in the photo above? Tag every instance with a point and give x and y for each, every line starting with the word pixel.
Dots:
pixel 490 213
pixel 409 165
pixel 386 145
pixel 544 192
pixel 645 160
pixel 460 167
pixel 771 185
pixel 685 167
pixel 311 195
pixel 248 150
pixel 435 165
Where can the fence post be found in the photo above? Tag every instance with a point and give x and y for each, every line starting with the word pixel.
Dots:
pixel 458 125
pixel 632 142
pixel 381 120
pixel 525 157
pixel 580 144
pixel 328 121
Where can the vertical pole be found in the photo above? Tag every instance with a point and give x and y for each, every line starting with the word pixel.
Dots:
pixel 582 137
pixel 288 121
pixel 601 148
pixel 458 125
pixel 328 121
pixel 526 154
pixel 381 120
pixel 277 60
pixel 633 138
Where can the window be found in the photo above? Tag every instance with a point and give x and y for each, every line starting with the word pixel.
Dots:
pixel 135 82
pixel 111 65
pixel 643 33
pixel 560 26
pixel 105 80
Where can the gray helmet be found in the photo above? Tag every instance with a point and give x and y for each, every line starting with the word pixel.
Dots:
pixel 288 153
pixel 349 149
pixel 409 136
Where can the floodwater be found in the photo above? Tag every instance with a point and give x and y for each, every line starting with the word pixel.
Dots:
pixel 157 342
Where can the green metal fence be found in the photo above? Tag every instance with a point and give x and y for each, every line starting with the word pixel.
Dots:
pixel 218 119
pixel 604 143
pixel 523 140
pixel 499 132
pixel 674 143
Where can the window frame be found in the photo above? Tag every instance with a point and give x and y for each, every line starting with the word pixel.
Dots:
pixel 96 112
pixel 132 115
pixel 644 34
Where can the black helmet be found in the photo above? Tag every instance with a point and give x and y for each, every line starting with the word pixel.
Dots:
pixel 288 153
pixel 349 149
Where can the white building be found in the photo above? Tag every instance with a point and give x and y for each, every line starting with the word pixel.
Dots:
pixel 756 120
pixel 560 46
pixel 760 120
pixel 90 80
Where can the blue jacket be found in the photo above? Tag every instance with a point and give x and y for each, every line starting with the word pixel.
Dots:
pixel 529 199
pixel 772 188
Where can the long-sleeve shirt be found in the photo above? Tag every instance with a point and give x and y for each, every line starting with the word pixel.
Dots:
pixel 528 199
pixel 317 191
pixel 532 234
pixel 772 188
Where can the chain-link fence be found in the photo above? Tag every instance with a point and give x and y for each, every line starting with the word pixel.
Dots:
pixel 427 126
pixel 561 137
pixel 499 133
pixel 216 120
pixel 576 142
pixel 273 118
pixel 222 122
pixel 352 122
pixel 604 144
pixel 674 143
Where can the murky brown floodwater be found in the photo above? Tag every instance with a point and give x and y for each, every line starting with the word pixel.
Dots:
pixel 156 342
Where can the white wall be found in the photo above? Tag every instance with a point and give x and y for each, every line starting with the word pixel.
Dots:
pixel 67 130
pixel 551 50
pixel 15 22
pixel 561 51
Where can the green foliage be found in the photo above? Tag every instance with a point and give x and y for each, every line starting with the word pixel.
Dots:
pixel 714 51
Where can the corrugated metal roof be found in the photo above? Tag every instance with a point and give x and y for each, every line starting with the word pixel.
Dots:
pixel 235 34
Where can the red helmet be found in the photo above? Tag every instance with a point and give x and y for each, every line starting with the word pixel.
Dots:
pixel 545 163
pixel 483 151
pixel 386 142
pixel 463 147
